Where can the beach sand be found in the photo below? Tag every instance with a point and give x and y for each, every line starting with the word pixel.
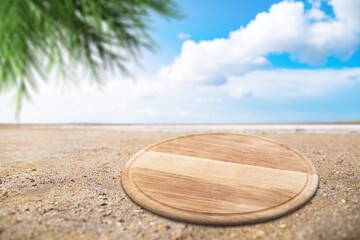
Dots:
pixel 65 183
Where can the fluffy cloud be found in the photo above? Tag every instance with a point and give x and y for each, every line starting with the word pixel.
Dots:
pixel 309 36
pixel 286 83
pixel 148 100
pixel 209 99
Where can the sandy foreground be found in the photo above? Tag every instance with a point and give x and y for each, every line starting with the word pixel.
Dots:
pixel 64 182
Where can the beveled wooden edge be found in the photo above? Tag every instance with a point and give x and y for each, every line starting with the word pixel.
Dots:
pixel 140 198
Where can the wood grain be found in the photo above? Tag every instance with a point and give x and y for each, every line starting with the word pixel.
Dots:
pixel 219 178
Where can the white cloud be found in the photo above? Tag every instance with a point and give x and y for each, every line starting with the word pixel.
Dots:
pixel 239 92
pixel 152 112
pixel 315 13
pixel 129 102
pixel 308 36
pixel 84 101
pixel 179 113
pixel 285 83
pixel 209 99
pixel 347 11
pixel 183 36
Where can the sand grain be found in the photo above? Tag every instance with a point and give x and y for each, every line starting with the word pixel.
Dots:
pixel 65 183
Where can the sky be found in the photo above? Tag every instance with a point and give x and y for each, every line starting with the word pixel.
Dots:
pixel 227 61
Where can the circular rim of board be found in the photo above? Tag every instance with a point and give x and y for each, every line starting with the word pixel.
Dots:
pixel 157 207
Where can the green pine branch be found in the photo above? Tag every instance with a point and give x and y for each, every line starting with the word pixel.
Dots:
pixel 37 35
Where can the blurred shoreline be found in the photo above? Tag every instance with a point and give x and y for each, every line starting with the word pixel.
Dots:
pixel 329 128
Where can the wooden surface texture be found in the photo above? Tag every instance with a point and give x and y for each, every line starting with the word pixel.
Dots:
pixel 219 178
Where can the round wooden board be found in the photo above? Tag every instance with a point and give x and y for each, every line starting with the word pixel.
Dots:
pixel 219 178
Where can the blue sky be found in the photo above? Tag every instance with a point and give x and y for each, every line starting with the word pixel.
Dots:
pixel 225 62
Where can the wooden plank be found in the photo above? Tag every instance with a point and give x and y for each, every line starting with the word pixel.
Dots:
pixel 230 148
pixel 220 178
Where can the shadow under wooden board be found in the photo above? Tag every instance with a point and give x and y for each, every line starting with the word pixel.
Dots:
pixel 220 179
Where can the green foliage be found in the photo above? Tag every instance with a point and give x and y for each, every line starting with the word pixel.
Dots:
pixel 37 35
